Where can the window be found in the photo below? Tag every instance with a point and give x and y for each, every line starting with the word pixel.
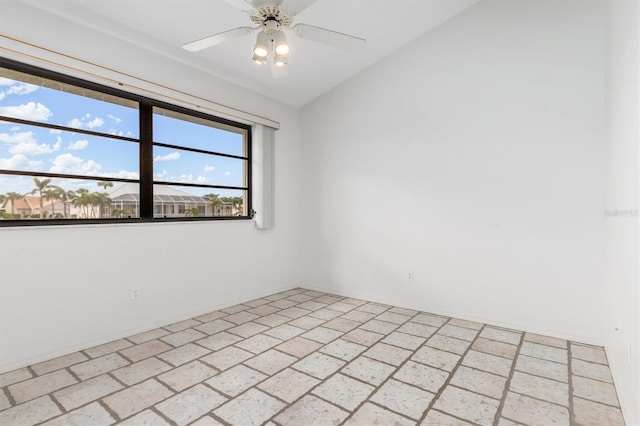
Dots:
pixel 72 151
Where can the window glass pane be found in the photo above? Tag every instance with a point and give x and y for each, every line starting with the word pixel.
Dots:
pixel 176 201
pixel 33 198
pixel 38 99
pixel 192 132
pixel 176 165
pixel 37 149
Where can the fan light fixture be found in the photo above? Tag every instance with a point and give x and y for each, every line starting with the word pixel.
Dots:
pixel 271 40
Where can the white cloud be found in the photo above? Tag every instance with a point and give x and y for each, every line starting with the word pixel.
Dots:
pixel 96 122
pixel 227 173
pixel 55 131
pixel 114 118
pixel 29 111
pixel 186 178
pixel 114 132
pixel 201 179
pixel 161 175
pixel 122 174
pixel 19 161
pixel 18 137
pixel 25 143
pixel 75 123
pixel 78 145
pixel 6 81
pixel 68 163
pixel 169 157
pixel 21 88
pixel 209 169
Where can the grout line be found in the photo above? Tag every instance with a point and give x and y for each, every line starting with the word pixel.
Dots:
pixel 507 385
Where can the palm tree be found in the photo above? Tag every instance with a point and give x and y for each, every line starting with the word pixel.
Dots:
pixel 119 213
pixel 237 203
pixel 13 197
pixel 82 199
pixel 100 199
pixel 214 201
pixel 40 187
pixel 52 194
pixel 65 197
pixel 192 212
pixel 105 185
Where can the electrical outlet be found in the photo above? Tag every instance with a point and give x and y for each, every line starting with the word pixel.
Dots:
pixel 135 293
pixel 410 276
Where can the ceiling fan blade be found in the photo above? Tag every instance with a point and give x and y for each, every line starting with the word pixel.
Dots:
pixel 296 6
pixel 328 37
pixel 279 71
pixel 203 43
pixel 243 5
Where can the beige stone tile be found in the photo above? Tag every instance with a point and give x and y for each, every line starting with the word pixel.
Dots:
pixel 341 307
pixel 190 404
pixel 307 322
pixel 402 398
pixel 403 311
pixel 530 411
pixel 283 304
pixel 284 332
pixel 494 347
pixel 391 317
pixel 272 320
pixel 370 414
pixel 436 358
pixel 466 324
pixel 183 354
pixel 107 348
pixel 136 398
pixel 294 312
pixel 227 357
pixel 14 376
pixel 271 361
pixel 258 343
pixel 449 344
pixel 322 335
pixel 4 402
pixel 487 362
pixel 403 340
pixel 182 325
pixel 145 350
pixel 30 413
pixel 300 298
pixel 183 337
pixel 344 391
pixel 219 341
pixel 215 326
pixel 373 308
pixel 541 388
pixel 212 316
pixel 589 413
pixel 479 381
pixel 368 370
pixel 241 317
pixel 428 319
pixel 148 335
pixel 501 335
pixel 263 310
pixel 248 329
pixel 325 314
pixel 235 309
pixel 363 337
pixel 187 375
pixel 288 385
pixel 467 405
pixel 314 293
pixel 236 380
pixel 341 324
pixel 545 340
pixel 145 418
pixel 210 421
pixel 77 395
pixel 343 349
pixel 543 368
pixel 41 385
pixel 58 363
pixel 274 297
pixel 594 390
pixel 507 422
pixel 591 370
pixel 299 346
pixel 352 301
pixel 311 411
pixel 387 353
pixel 359 316
pixel 318 365
pixel 588 353
pixel 328 299
pixel 461 333
pixel 544 352
pixel 436 418
pixel 251 408
pixel 140 371
pixel 92 414
pixel 425 377
pixel 257 302
pixel 377 326
pixel 416 329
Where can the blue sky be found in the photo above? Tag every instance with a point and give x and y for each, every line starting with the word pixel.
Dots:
pixel 37 149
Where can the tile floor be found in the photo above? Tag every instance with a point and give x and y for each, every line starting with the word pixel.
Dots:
pixel 306 358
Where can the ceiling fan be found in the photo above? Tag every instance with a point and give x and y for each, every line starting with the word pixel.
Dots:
pixel 270 18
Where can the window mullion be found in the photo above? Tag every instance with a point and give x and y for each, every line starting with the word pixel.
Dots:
pixel 146 161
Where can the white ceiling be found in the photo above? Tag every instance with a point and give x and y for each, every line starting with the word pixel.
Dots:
pixel 164 25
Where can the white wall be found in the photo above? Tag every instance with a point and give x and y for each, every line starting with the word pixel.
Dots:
pixel 622 318
pixel 473 158
pixel 67 288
